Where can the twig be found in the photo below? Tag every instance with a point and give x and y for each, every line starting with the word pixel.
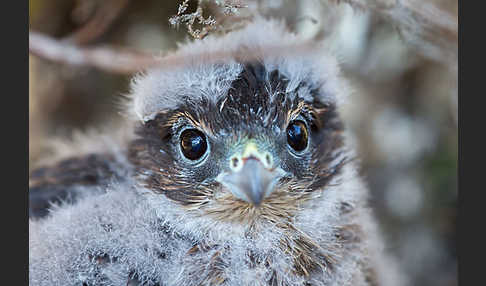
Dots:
pixel 104 58
pixel 125 62
pixel 228 8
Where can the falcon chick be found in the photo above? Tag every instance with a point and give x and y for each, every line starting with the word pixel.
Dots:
pixel 233 173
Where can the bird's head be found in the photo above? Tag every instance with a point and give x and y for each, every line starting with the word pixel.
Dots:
pixel 239 141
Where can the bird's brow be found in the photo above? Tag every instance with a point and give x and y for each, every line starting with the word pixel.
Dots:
pixel 170 120
pixel 309 111
pixel 174 119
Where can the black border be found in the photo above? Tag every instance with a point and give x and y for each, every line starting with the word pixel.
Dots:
pixel 15 118
pixel 471 189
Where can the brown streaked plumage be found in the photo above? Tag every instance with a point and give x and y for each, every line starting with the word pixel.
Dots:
pixel 59 182
pixel 268 195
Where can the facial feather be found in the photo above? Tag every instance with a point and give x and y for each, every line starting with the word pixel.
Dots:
pixel 256 106
pixel 175 223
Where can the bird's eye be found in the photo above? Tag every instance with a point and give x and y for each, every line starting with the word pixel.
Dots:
pixel 297 135
pixel 193 144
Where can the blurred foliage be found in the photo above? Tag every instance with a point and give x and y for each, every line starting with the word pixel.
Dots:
pixel 403 111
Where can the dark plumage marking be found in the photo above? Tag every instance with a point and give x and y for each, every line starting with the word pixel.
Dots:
pixel 55 184
pixel 253 99
pixel 350 235
pixel 346 208
pixel 256 103
pixel 154 157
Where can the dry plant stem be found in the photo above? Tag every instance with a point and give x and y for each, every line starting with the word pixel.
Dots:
pixel 227 7
pixel 104 16
pixel 104 58
pixel 428 29
pixel 189 19
pixel 127 62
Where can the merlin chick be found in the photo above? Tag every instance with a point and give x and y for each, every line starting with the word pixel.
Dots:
pixel 232 173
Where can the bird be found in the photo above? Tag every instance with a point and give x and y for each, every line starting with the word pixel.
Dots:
pixel 228 172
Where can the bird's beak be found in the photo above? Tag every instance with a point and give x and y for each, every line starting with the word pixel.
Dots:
pixel 252 176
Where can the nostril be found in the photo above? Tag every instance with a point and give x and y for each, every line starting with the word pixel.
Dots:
pixel 235 162
pixel 268 159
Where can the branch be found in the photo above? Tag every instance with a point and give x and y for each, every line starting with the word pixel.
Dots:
pixel 126 61
pixel 104 58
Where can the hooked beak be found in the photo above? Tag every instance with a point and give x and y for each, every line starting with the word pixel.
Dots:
pixel 253 182
pixel 252 175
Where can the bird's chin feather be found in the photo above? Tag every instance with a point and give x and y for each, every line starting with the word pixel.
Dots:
pixel 293 221
pixel 278 208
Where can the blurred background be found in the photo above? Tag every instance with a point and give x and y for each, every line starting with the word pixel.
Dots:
pixel 403 110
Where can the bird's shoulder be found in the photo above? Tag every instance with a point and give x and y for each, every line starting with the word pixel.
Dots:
pixel 64 180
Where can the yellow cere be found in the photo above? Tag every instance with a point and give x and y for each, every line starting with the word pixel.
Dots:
pixel 250 150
